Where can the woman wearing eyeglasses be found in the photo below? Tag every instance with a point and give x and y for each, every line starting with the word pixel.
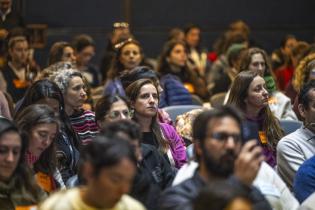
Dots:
pixel 110 108
pixel 249 94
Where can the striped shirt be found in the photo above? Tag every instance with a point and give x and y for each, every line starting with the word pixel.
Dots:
pixel 84 124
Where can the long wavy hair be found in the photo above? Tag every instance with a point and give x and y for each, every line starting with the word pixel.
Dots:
pixel 163 64
pixel 133 91
pixel 29 118
pixel 238 94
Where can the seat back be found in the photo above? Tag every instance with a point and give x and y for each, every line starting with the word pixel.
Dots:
pixel 174 111
pixel 290 126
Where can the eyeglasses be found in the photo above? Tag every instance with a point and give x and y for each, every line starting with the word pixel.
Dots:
pixel 118 114
pixel 223 137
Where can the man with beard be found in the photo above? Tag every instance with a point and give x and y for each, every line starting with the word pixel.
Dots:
pixel 218 142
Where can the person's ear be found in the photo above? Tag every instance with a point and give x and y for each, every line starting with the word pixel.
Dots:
pixel 197 147
pixel 302 110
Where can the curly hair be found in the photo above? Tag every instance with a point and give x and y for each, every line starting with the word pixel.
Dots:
pixel 301 74
pixel 62 78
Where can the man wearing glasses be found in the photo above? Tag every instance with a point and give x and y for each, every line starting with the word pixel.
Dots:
pixel 220 154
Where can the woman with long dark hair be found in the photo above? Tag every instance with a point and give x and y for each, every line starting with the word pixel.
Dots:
pixel 256 59
pixel 129 55
pixel 177 79
pixel 249 94
pixel 144 98
pixel 17 185
pixel 39 126
pixel 67 141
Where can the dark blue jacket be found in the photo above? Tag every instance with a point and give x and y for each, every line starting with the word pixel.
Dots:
pixel 304 182
pixel 174 92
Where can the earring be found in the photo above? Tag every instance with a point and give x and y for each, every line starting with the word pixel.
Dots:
pixel 132 112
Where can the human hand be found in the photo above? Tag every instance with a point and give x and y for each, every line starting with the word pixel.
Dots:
pixel 248 162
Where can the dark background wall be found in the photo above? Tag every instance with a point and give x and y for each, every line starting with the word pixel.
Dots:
pixel 150 20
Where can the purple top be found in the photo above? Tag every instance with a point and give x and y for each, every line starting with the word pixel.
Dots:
pixel 269 153
pixel 176 144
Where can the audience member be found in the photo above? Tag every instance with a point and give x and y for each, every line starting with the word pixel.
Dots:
pixel 304 180
pixel 144 72
pixel 13 77
pixel 120 31
pixel 129 55
pixel 144 98
pixel 222 195
pixel 176 34
pixel 111 108
pixel 295 148
pixel 196 54
pixel 175 75
pixel 218 146
pixel 282 61
pixel 84 50
pixel 70 82
pixel 222 80
pixel 256 59
pixel 67 141
pixel 39 126
pixel 61 51
pixel 154 173
pixel 304 72
pixel 249 94
pixel 18 189
pixel 108 177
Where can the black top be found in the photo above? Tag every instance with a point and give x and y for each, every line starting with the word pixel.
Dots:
pixel 181 196
pixel 149 138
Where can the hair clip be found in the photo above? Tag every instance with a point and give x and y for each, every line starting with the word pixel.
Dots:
pixel 120 25
pixel 120 44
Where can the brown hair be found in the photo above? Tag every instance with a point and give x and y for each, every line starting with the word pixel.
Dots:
pixel 163 64
pixel 246 59
pixel 238 94
pixel 133 91
pixel 56 52
pixel 117 67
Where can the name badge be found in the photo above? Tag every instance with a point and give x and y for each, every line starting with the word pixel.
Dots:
pixel 44 181
pixel 262 137
pixel 32 207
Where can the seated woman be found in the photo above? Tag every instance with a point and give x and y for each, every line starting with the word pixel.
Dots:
pixel 39 126
pixel 255 59
pixel 72 86
pixel 175 73
pixel 249 94
pixel 144 99
pixel 111 108
pixel 67 141
pixel 18 189
pixel 128 56
pixel 61 51
pixel 144 72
